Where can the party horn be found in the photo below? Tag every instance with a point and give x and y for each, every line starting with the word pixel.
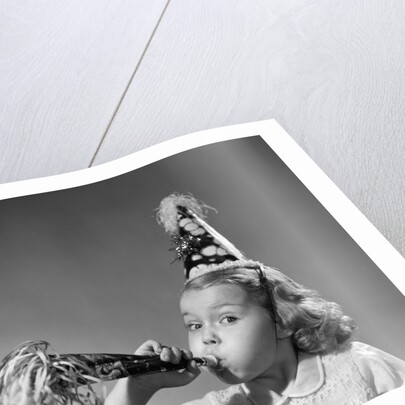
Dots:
pixel 30 375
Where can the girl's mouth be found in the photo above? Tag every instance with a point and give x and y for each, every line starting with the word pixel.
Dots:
pixel 219 366
pixel 214 362
pixel 209 361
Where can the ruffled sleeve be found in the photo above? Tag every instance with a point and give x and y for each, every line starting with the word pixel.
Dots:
pixel 381 371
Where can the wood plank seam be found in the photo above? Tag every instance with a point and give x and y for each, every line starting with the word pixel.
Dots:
pixel 128 85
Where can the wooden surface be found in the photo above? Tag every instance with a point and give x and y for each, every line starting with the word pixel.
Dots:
pixel 84 83
pixel 64 67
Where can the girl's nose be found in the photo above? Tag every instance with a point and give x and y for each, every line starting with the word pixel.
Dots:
pixel 210 337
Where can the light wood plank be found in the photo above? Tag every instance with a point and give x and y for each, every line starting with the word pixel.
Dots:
pixel 330 72
pixel 63 69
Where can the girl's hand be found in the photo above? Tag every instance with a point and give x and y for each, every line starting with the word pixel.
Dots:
pixel 137 390
pixel 171 355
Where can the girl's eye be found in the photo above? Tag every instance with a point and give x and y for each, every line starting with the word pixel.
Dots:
pixel 193 326
pixel 229 319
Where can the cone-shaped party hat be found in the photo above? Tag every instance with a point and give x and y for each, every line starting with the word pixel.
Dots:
pixel 198 245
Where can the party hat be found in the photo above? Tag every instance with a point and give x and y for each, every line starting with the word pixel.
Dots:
pixel 197 244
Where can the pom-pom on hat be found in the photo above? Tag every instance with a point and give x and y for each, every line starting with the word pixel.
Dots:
pixel 197 244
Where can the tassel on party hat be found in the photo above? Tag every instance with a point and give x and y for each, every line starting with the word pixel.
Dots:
pixel 198 245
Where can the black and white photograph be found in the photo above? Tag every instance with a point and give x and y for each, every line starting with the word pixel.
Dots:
pixel 202 202
pixel 90 269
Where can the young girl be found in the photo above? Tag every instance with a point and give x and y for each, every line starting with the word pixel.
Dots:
pixel 275 341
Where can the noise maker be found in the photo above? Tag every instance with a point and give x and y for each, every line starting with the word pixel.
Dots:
pixel 107 367
pixel 29 375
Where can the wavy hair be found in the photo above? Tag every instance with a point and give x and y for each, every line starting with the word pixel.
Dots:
pixel 317 325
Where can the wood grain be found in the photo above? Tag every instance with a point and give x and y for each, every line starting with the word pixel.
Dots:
pixel 329 72
pixel 63 69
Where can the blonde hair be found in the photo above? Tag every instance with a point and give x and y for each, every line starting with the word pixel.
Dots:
pixel 317 325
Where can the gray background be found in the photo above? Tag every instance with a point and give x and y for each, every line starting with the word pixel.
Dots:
pixel 88 268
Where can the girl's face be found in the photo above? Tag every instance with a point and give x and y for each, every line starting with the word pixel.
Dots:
pixel 224 322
